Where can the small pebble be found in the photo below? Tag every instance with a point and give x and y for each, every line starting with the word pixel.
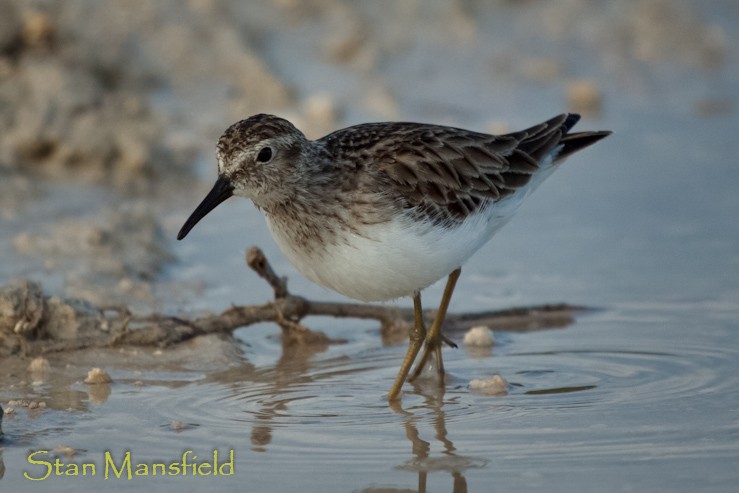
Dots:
pixel 321 108
pixel 69 452
pixel 97 376
pixel 584 96
pixel 479 337
pixel 12 405
pixel 39 365
pixel 38 29
pixel 495 385
pixel 180 426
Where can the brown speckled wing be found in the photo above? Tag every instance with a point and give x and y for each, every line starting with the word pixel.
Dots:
pixel 445 174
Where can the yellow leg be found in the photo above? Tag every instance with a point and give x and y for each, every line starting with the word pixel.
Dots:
pixel 434 337
pixel 417 335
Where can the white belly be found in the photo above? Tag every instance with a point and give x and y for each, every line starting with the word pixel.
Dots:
pixel 392 259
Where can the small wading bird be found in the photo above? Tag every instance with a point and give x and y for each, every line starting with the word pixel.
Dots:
pixel 382 210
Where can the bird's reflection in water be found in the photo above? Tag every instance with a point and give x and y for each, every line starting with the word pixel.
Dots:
pixel 424 461
pixel 296 371
pixel 292 370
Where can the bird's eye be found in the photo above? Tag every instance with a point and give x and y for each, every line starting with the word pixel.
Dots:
pixel 264 155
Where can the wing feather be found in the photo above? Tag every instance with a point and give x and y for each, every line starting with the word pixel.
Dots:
pixel 446 174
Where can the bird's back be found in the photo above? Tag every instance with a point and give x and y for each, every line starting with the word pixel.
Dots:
pixel 446 174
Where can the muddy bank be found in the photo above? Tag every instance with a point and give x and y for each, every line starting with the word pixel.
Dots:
pixel 107 258
pixel 78 80
pixel 123 93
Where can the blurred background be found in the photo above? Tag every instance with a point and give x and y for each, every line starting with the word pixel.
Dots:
pixel 109 114
pixel 110 110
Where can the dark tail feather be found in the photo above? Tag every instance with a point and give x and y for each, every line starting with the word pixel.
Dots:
pixel 571 143
pixel 541 139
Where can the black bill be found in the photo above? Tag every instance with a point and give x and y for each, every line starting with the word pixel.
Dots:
pixel 222 190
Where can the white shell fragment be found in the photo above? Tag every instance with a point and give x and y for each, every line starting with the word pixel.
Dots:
pixel 479 337
pixel 97 376
pixel 495 385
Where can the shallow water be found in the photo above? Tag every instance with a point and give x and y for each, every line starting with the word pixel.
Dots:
pixel 633 397
pixel 641 393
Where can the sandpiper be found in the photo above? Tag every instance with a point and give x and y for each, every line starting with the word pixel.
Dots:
pixel 382 210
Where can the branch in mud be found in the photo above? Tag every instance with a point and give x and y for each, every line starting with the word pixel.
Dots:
pixel 32 323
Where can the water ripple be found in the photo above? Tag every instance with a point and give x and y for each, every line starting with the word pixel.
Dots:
pixel 574 396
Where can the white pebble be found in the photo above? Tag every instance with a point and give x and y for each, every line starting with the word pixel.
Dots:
pixel 495 385
pixel 97 376
pixel 39 365
pixel 479 337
